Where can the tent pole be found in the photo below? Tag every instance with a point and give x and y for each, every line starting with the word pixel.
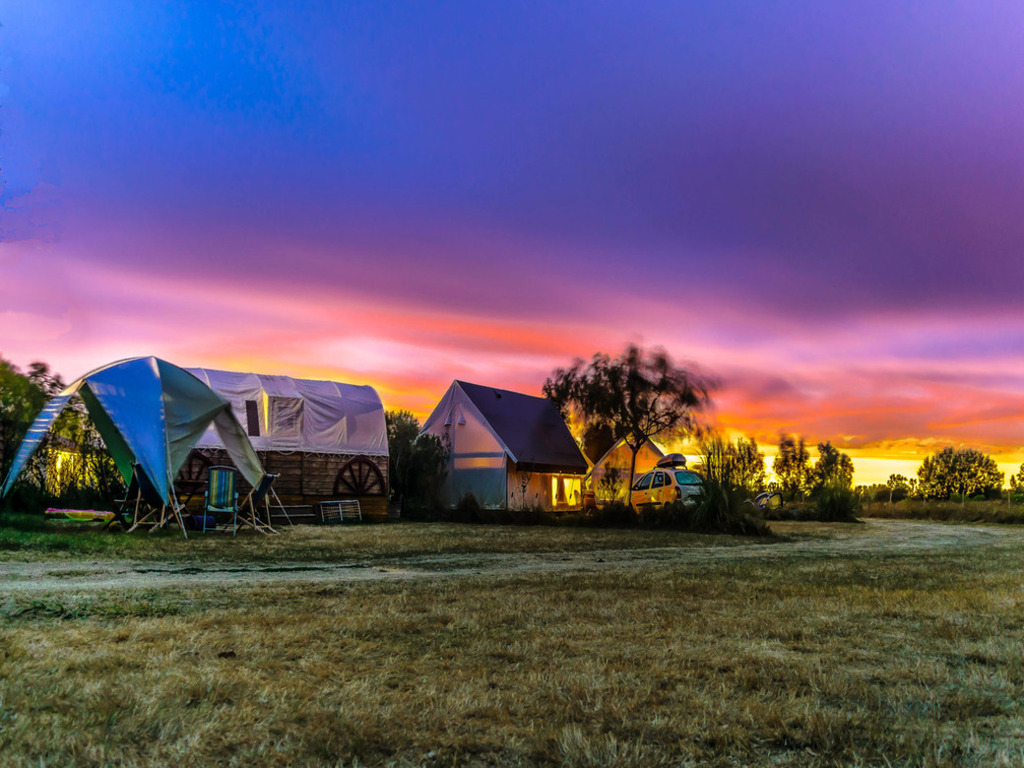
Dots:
pixel 278 500
pixel 177 511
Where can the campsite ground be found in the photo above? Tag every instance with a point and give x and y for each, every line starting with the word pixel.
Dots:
pixel 888 643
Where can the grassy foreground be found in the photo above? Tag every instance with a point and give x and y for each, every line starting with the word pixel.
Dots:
pixel 32 537
pixel 807 660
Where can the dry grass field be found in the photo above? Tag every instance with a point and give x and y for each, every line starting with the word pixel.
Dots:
pixel 881 644
pixel 990 511
pixel 32 538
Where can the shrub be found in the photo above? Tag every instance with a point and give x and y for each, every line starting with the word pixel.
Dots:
pixel 714 507
pixel 947 511
pixel 722 509
pixel 468 510
pixel 615 515
pixel 532 514
pixel 672 515
pixel 837 502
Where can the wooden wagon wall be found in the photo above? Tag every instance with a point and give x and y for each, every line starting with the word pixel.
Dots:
pixel 305 478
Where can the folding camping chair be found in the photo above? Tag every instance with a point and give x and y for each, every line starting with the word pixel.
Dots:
pixel 221 497
pixel 150 508
pixel 125 508
pixel 249 513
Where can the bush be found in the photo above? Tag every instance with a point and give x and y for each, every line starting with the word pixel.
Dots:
pixel 722 509
pixel 618 514
pixel 706 517
pixel 468 510
pixel 674 515
pixel 714 507
pixel 532 514
pixel 837 503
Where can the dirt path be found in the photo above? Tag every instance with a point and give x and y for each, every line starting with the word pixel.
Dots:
pixel 880 537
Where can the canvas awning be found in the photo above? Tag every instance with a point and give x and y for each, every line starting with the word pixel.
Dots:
pixel 148 412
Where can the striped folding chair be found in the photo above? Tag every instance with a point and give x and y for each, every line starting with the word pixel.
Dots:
pixel 221 498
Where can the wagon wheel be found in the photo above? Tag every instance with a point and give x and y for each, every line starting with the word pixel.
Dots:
pixel 360 477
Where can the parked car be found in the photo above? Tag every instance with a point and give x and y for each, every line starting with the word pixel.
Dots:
pixel 667 484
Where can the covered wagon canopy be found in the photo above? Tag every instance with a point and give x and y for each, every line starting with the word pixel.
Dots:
pixel 148 412
pixel 281 413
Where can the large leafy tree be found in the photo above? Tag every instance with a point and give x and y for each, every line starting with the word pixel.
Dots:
pixel 748 465
pixel 898 487
pixel 792 466
pixel 959 472
pixel 639 395
pixel 403 427
pixel 833 468
pixel 22 396
pixel 417 464
pixel 1017 480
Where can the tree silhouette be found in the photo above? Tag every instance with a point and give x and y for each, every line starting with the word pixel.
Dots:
pixel 639 395
pixel 739 464
pixel 899 487
pixel 402 429
pixel 832 467
pixel 959 471
pixel 792 466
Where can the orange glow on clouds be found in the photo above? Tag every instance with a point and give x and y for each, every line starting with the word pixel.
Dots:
pixel 887 411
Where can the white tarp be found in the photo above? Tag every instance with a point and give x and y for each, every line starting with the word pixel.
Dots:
pixel 478 459
pixel 280 413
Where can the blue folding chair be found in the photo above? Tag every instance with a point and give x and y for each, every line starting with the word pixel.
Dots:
pixel 149 507
pixel 221 498
pixel 260 494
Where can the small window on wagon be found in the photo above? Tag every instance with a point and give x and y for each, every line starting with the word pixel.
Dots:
pixel 643 483
pixel 659 480
pixel 688 478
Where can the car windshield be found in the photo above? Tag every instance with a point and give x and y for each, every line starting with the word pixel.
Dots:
pixel 688 478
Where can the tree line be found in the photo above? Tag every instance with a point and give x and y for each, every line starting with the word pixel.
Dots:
pixel 644 394
pixel 637 396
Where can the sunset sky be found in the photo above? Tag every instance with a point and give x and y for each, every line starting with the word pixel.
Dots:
pixel 819 204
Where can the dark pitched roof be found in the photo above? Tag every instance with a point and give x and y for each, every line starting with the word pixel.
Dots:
pixel 531 428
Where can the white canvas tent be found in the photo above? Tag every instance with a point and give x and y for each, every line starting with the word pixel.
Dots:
pixel 506 448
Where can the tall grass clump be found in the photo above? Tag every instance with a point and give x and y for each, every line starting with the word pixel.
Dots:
pixel 721 506
pixel 837 502
pixel 721 509
pixel 467 510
